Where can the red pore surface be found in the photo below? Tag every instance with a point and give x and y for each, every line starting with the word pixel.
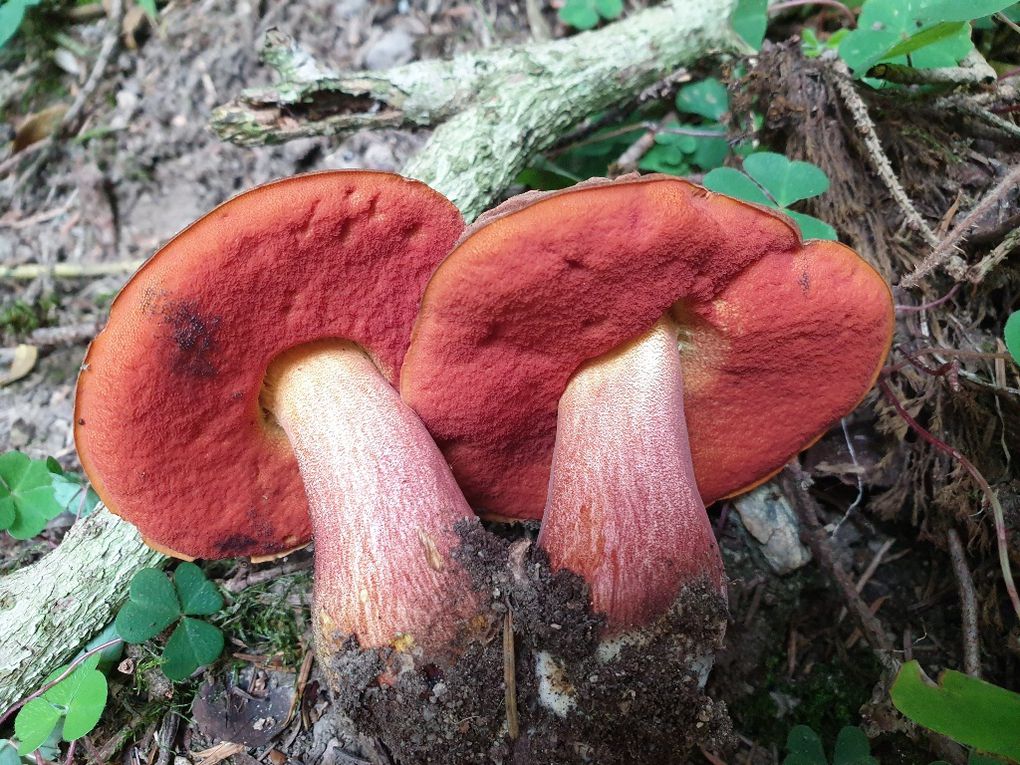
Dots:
pixel 167 418
pixel 778 338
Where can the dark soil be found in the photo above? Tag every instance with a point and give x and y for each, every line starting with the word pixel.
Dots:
pixel 643 707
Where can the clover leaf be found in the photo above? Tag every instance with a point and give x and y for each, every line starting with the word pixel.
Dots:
pixel 77 700
pixel 154 604
pixel 772 180
pixel 586 14
pixel 805 748
pixel 27 500
pixel 191 645
pixel 1012 335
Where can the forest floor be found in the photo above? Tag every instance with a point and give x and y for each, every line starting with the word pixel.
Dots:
pixel 144 164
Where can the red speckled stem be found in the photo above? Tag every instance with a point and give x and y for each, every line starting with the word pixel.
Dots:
pixel 623 509
pixel 382 499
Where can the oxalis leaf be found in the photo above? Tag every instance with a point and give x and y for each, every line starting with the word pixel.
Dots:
pixel 772 181
pixel 707 98
pixel 964 708
pixel 26 491
pixel 1012 335
pixel 586 14
pixel 152 607
pixel 198 596
pixel 192 644
pixel 78 699
pixel 786 181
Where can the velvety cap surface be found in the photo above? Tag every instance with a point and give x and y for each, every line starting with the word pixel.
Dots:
pixel 779 338
pixel 167 417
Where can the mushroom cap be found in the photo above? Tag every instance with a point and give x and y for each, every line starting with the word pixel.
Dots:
pixel 779 338
pixel 168 422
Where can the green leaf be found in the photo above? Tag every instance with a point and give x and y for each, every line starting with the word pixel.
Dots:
pixel 853 748
pixel 707 98
pixel 586 14
pixel 8 753
pixel 750 20
pixel 7 513
pixel 79 699
pixel 85 709
pixel 12 13
pixel 886 24
pixel 726 180
pixel 711 152
pixel 27 484
pixel 964 708
pixel 786 181
pixel 927 36
pixel 1012 335
pixel 149 6
pixel 955 10
pixel 804 747
pixel 191 645
pixel 152 607
pixel 199 596
pixel 811 227
pixel 34 723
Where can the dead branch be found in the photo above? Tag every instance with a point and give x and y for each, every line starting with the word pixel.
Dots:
pixel 814 536
pixel 943 254
pixel 968 605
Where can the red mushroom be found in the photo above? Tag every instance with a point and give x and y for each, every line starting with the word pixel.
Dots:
pixel 555 321
pixel 240 400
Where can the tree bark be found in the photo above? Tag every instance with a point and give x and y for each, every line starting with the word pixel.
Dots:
pixel 50 609
pixel 492 112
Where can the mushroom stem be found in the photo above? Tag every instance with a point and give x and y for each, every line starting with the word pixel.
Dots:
pixel 383 504
pixel 623 509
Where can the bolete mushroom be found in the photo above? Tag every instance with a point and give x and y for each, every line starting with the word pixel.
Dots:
pixel 621 351
pixel 239 402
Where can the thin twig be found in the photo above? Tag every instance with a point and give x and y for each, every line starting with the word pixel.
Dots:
pixel 847 14
pixel 970 107
pixel 944 250
pixel 165 737
pixel 814 536
pixel 841 80
pixel 628 161
pixel 975 474
pixel 72 118
pixel 977 273
pixel 30 271
pixel 513 722
pixel 62 676
pixel 968 605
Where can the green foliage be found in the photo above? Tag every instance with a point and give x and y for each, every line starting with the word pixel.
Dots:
pixel 12 13
pixel 34 492
pixel 681 148
pixel 19 317
pixel 586 14
pixel 154 604
pixel 772 180
pixel 149 6
pixel 812 47
pixel 49 751
pixel 805 748
pixel 917 33
pixel 76 703
pixel 1012 335
pixel 750 20
pixel 964 708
